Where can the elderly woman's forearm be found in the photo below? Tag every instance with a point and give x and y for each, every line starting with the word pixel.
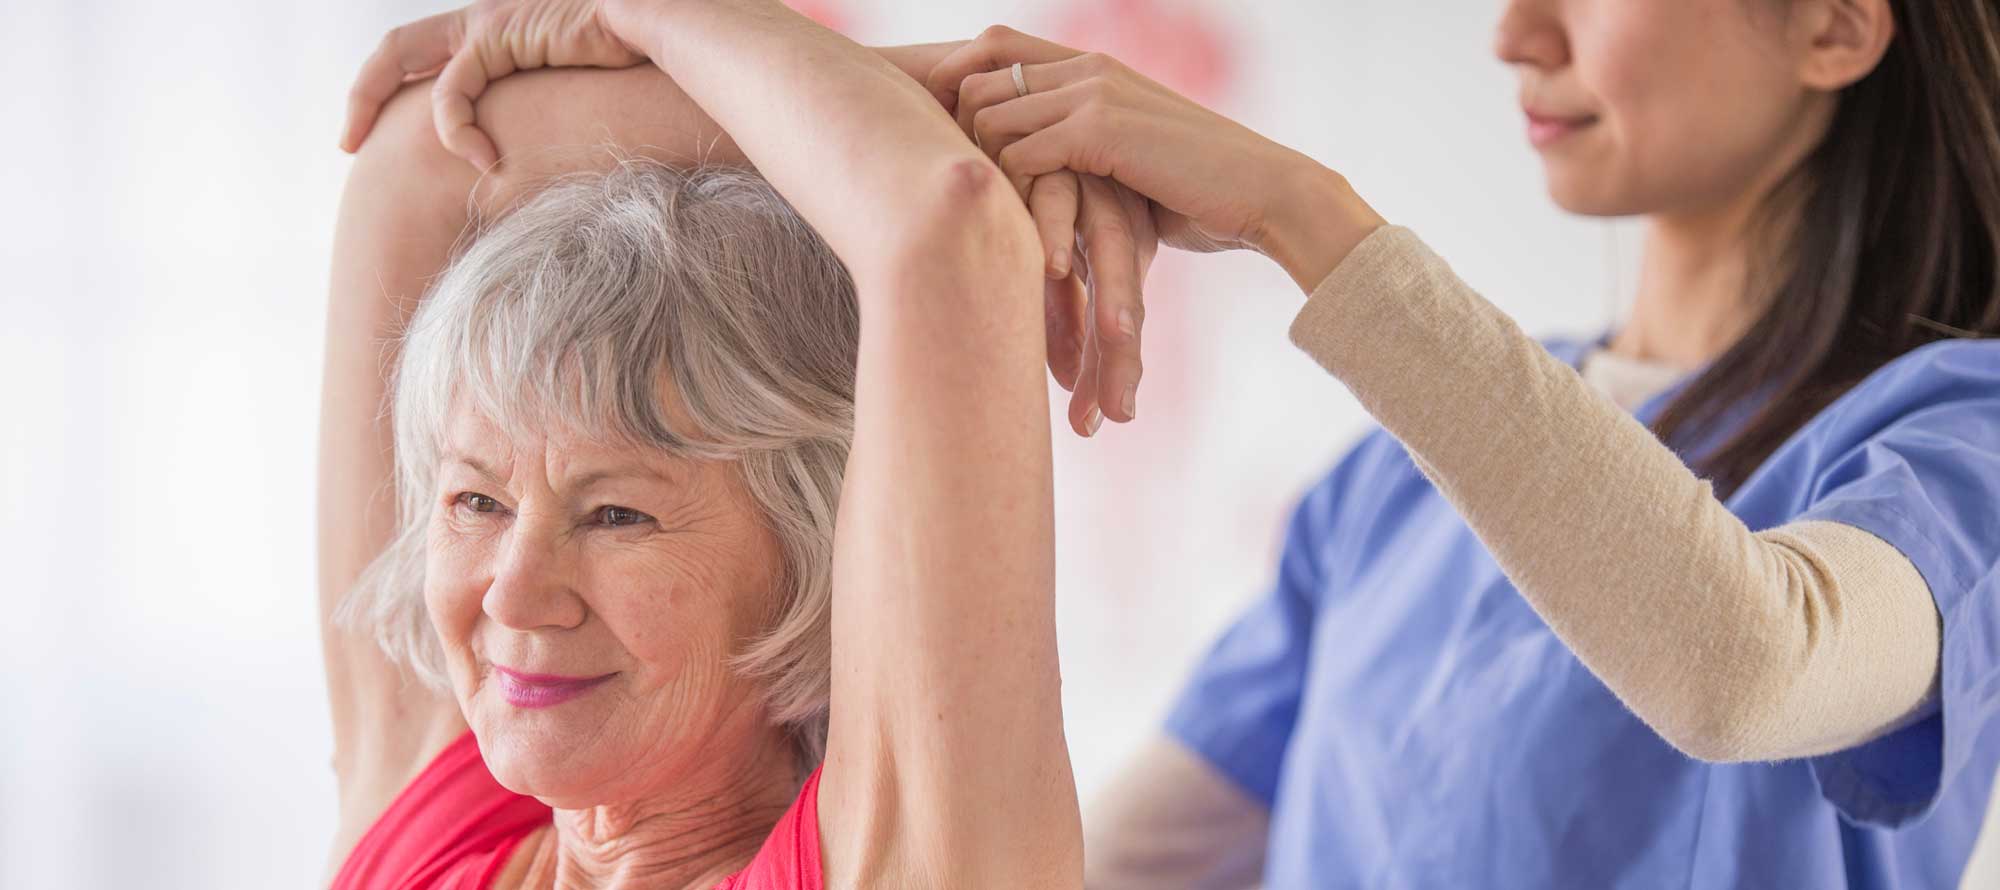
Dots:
pixel 552 121
pixel 837 128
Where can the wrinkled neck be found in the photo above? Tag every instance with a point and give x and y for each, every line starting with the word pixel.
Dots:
pixel 686 837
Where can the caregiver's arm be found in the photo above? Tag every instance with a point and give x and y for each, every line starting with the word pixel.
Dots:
pixel 946 763
pixel 1733 645
pixel 1802 639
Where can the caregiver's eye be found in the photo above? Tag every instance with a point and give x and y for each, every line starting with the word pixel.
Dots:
pixel 476 502
pixel 621 516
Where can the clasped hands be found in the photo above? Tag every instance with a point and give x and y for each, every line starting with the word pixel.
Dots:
pixel 1109 163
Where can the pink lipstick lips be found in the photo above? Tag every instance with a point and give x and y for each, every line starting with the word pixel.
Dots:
pixel 523 690
pixel 1544 129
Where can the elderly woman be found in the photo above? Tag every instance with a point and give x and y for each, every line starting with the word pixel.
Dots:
pixel 722 552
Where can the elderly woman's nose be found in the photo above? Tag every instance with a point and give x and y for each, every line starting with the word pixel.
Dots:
pixel 1531 33
pixel 532 588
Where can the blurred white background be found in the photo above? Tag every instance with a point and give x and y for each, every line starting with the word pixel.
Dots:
pixel 168 178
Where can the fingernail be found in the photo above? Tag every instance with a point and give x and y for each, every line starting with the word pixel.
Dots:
pixel 1092 421
pixel 1126 324
pixel 1059 264
pixel 1131 394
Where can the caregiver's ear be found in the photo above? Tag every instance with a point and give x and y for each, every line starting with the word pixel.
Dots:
pixel 1838 42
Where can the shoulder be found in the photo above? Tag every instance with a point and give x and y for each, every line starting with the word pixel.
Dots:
pixel 453 826
pixel 1912 455
pixel 1956 371
pixel 790 857
pixel 1947 391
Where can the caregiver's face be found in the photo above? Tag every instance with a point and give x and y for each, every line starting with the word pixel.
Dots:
pixel 1649 106
pixel 589 599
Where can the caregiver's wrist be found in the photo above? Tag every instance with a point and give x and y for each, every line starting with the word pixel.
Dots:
pixel 1315 220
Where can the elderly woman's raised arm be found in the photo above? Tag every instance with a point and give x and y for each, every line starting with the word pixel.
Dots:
pixel 404 206
pixel 946 756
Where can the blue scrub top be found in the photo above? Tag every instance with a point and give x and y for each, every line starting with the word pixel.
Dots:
pixel 1412 723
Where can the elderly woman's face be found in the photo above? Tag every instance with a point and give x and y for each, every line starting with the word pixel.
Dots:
pixel 589 599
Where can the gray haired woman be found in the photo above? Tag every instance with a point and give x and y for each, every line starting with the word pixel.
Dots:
pixel 721 530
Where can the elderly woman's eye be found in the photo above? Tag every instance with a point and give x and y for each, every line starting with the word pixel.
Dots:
pixel 621 516
pixel 476 502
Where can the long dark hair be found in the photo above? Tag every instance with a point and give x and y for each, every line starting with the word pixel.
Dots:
pixel 1889 238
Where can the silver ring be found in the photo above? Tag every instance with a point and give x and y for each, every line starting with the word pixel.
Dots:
pixel 1020 82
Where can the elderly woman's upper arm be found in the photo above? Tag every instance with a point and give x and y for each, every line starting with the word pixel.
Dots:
pixel 406 204
pixel 403 207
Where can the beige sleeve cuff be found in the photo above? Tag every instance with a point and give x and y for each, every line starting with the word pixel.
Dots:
pixel 1733 646
pixel 1170 821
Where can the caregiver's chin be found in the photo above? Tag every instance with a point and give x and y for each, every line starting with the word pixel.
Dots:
pixel 1682 108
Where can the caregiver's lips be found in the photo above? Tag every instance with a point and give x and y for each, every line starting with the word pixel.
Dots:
pixel 526 690
pixel 1545 129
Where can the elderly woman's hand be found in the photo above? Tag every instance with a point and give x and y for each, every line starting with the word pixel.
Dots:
pixel 471 47
pixel 1209 183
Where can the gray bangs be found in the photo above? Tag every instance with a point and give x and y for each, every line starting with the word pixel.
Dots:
pixel 693 313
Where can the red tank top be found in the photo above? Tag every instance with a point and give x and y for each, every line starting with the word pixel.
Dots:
pixel 454 827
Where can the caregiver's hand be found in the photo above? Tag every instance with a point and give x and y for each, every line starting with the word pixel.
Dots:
pixel 471 47
pixel 1214 184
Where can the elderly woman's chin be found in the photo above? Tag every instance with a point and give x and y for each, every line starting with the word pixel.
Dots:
pixel 556 751
pixel 576 748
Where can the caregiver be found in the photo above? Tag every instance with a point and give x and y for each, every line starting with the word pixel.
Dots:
pixel 1520 637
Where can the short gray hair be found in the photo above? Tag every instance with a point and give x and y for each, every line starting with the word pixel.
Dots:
pixel 571 310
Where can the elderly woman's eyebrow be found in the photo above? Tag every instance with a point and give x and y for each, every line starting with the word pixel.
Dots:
pixel 586 479
pixel 473 464
pixel 640 472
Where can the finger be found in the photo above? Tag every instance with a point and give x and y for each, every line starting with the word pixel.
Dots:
pixel 1118 310
pixel 980 91
pixel 1084 414
pixel 995 48
pixel 998 127
pixel 1052 201
pixel 452 95
pixel 1064 306
pixel 1072 142
pixel 996 88
pixel 412 50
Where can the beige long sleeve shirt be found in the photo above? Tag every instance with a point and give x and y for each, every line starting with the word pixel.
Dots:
pixel 1732 644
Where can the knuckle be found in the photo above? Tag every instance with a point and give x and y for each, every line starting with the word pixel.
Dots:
pixel 1093 111
pixel 1009 159
pixel 970 88
pixel 996 33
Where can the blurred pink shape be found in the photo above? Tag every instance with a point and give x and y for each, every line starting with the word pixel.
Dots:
pixel 1175 42
pixel 826 12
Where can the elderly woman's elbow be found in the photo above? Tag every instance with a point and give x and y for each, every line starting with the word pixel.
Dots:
pixel 961 216
pixel 403 145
